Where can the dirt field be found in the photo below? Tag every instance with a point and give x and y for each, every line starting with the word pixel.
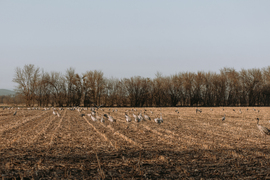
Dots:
pixel 37 144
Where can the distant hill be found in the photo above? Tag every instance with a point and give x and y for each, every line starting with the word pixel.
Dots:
pixel 5 92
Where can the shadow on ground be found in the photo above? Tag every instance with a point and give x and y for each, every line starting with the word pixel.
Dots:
pixel 79 163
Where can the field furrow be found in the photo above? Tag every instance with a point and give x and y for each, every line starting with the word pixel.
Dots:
pixel 39 133
pixel 37 144
pixel 8 127
pixel 57 127
pixel 18 136
pixel 43 137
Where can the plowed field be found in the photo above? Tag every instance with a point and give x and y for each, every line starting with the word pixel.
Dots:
pixel 37 144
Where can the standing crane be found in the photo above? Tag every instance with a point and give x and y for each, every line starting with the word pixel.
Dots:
pixel 137 119
pixel 110 118
pixel 102 119
pixel 93 118
pixel 223 118
pixel 140 117
pixel 97 116
pixel 263 130
pixel 128 119
pixel 159 120
pixel 146 117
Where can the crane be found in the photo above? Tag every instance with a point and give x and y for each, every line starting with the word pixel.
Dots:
pixel 128 119
pixel 140 117
pixel 93 118
pixel 146 117
pixel 98 106
pixel 159 120
pixel 223 118
pixel 263 130
pixel 102 119
pixel 137 119
pixel 110 118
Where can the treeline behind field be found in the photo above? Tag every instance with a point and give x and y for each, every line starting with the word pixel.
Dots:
pixel 228 88
pixel 11 100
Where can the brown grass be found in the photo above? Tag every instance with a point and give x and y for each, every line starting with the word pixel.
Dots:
pixel 37 144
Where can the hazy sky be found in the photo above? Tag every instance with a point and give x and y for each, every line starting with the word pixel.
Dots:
pixel 129 38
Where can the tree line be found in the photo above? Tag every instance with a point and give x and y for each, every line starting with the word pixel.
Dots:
pixel 227 88
pixel 11 99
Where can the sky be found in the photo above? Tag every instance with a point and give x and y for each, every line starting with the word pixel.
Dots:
pixel 133 38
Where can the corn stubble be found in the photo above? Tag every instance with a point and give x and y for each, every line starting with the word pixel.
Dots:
pixel 39 145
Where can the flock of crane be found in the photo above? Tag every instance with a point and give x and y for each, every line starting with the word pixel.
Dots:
pixel 94 114
pixel 137 118
pixel 265 131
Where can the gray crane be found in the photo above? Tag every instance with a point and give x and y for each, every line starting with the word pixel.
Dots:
pixel 223 118
pixel 128 119
pixel 137 119
pixel 263 130
pixel 140 117
pixel 93 118
pixel 159 120
pixel 146 117
pixel 102 119
pixel 110 118
pixel 98 106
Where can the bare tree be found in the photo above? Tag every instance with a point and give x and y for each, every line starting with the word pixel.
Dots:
pixel 27 80
pixel 228 88
pixel 77 90
pixel 159 90
pixel 94 85
pixel 252 85
pixel 43 90
pixel 266 86
pixel 173 89
pixel 58 89
pixel 188 84
pixel 70 76
pixel 137 89
pixel 233 86
pixel 219 89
